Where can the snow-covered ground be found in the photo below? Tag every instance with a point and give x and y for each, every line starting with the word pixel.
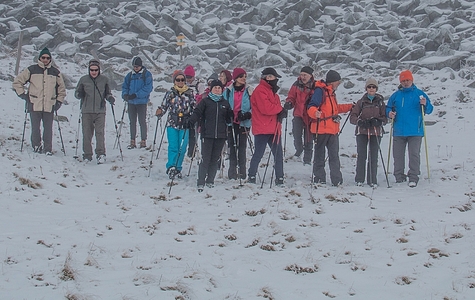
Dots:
pixel 86 231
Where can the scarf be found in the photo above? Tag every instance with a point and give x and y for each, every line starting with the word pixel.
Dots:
pixel 273 84
pixel 181 90
pixel 214 97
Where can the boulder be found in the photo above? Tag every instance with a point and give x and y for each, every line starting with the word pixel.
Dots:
pixel 141 26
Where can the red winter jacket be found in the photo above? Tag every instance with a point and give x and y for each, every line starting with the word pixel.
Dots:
pixel 328 106
pixel 265 106
pixel 298 95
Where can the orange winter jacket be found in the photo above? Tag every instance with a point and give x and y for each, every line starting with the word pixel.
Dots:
pixel 324 100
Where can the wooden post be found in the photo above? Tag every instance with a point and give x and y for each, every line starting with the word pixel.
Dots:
pixel 180 41
pixel 153 63
pixel 18 56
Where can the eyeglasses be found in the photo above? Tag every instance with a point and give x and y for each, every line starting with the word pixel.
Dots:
pixel 180 80
pixel 137 66
pixel 371 87
pixel 45 57
pixel 94 70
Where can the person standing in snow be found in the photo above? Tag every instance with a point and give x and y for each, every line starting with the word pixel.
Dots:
pixel 369 115
pixel 136 89
pixel 179 102
pixel 405 107
pixel 239 97
pixel 46 92
pixel 93 90
pixel 267 116
pixel 213 112
pixel 198 87
pixel 297 99
pixel 325 110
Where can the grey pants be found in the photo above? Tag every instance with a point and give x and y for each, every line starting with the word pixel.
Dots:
pixel 47 117
pixel 303 139
pixel 140 111
pixel 399 154
pixel 332 144
pixel 93 123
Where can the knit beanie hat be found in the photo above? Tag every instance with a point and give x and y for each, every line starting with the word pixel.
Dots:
pixel 371 81
pixel 96 63
pixel 307 70
pixel 406 75
pixel 332 76
pixel 137 61
pixel 214 83
pixel 44 51
pixel 177 73
pixel 228 75
pixel 189 71
pixel 238 72
pixel 213 77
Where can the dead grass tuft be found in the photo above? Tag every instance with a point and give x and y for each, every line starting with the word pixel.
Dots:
pixel 268 247
pixel 28 182
pixel 298 269
pixel 333 198
pixel 68 273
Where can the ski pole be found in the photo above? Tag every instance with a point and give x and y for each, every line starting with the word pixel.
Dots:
pixel 153 147
pixel 381 155
pixel 77 137
pixel 24 128
pixel 120 126
pixel 60 134
pixel 425 139
pixel 178 158
pixel 268 157
pixel 117 132
pixel 390 140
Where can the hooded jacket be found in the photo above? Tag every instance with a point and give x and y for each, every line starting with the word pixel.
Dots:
pixel 96 90
pixel 179 107
pixel 265 105
pixel 140 84
pixel 366 109
pixel 408 120
pixel 45 88
pixel 213 117
pixel 298 95
pixel 229 95
pixel 324 99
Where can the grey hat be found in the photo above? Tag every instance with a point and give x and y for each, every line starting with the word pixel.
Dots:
pixel 332 76
pixel 371 81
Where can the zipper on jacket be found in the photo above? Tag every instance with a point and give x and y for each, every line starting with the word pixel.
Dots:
pixel 216 122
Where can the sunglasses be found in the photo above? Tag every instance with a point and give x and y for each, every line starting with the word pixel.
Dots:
pixel 94 70
pixel 180 80
pixel 371 87
pixel 45 57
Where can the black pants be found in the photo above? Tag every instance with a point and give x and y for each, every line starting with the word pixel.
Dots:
pixel 332 144
pixel 140 111
pixel 372 165
pixel 237 140
pixel 303 139
pixel 191 141
pixel 210 154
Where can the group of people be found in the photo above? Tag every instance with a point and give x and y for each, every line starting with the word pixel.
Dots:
pixel 221 110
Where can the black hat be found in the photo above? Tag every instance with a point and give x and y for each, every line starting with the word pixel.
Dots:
pixel 271 71
pixel 307 70
pixel 332 76
pixel 137 61
pixel 214 83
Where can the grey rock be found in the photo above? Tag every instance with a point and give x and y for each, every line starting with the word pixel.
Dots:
pixel 43 40
pixel 114 22
pixel 12 37
pixel 82 8
pixel 141 26
pixel 94 36
pixel 272 60
pixel 39 21
pixel 394 33
pixel 263 36
pixel 435 62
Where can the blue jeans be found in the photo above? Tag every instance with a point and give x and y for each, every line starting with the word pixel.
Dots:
pixel 177 142
pixel 275 144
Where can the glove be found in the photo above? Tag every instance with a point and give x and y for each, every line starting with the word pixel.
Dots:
pixel 24 96
pixel 244 116
pixel 282 115
pixel 364 123
pixel 111 99
pixel 288 105
pixel 376 122
pixel 159 112
pixel 188 124
pixel 125 97
pixel 81 94
pixel 57 105
pixel 132 96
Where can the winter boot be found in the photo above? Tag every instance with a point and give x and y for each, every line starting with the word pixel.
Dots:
pixel 143 143
pixel 131 145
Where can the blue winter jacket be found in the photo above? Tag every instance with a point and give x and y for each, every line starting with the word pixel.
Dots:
pixel 228 95
pixel 408 120
pixel 134 83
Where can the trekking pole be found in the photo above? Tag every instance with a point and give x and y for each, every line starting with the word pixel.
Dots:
pixel 178 158
pixel 251 147
pixel 341 130
pixel 381 155
pixel 268 157
pixel 117 132
pixel 285 136
pixel 77 137
pixel 120 126
pixel 60 134
pixel 370 171
pixel 153 147
pixel 192 158
pixel 24 128
pixel 233 136
pixel 236 148
pixel 161 141
pixel 425 140
pixel 390 141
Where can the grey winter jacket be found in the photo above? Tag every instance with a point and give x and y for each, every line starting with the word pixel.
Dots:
pixel 93 93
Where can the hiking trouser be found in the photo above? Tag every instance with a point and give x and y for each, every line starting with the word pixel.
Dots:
pixel 93 123
pixel 47 117
pixel 140 111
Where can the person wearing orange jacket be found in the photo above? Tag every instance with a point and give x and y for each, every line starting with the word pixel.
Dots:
pixel 267 115
pixel 324 111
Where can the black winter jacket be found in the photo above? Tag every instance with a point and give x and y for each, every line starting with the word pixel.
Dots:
pixel 213 117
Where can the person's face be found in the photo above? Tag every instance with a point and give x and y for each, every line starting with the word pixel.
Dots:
pixel 45 59
pixel 137 68
pixel 241 80
pixel 305 77
pixel 180 81
pixel 270 77
pixel 222 78
pixel 406 83
pixel 189 79
pixel 217 90
pixel 94 71
pixel 335 84
pixel 371 89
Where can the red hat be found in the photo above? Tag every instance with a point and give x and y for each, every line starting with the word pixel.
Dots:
pixel 189 71
pixel 177 73
pixel 406 75
pixel 238 72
